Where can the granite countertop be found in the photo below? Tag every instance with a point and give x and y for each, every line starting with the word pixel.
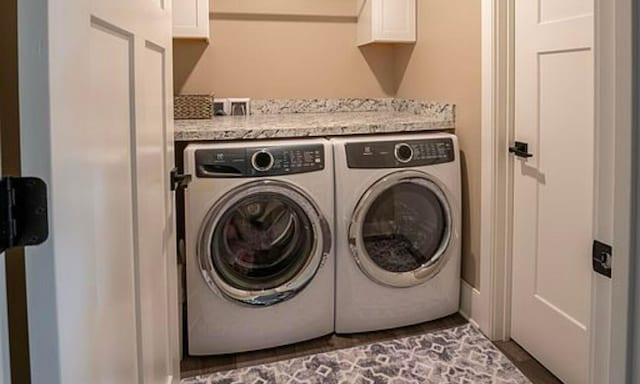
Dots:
pixel 316 117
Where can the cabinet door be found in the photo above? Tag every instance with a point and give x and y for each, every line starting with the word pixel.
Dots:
pixel 394 20
pixel 191 19
pixel 386 21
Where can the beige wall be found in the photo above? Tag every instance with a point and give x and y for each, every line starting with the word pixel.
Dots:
pixel 273 54
pixel 445 65
pixel 306 48
pixel 286 7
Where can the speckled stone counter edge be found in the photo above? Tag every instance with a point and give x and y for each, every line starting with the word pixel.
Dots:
pixel 355 129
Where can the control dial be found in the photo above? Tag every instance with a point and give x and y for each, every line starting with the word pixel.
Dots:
pixel 262 161
pixel 404 152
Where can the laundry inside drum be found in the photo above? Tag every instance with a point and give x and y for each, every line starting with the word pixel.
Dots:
pixel 262 242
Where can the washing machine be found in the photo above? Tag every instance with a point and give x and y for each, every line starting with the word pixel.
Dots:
pixel 397 230
pixel 259 254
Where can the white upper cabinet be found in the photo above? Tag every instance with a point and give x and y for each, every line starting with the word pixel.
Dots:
pixel 386 21
pixel 191 19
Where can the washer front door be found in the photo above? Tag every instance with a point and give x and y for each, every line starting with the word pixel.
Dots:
pixel 262 243
pixel 401 229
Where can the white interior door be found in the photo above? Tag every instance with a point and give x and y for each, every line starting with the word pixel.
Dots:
pixel 554 190
pixel 5 368
pixel 96 125
pixel 4 323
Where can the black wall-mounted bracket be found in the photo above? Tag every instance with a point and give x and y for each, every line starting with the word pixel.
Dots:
pixel 23 212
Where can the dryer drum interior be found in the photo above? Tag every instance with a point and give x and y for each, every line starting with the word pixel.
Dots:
pixel 262 244
pixel 401 231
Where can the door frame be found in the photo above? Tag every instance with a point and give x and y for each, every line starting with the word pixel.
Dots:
pixel 5 365
pixel 634 347
pixel 490 309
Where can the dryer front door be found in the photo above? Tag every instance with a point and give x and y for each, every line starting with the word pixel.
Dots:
pixel 262 243
pixel 401 229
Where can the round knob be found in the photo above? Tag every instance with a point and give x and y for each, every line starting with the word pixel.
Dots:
pixel 262 161
pixel 404 153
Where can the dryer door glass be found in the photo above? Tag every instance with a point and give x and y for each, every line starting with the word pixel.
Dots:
pixel 402 229
pixel 263 243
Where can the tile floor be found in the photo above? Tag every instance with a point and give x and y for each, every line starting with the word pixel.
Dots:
pixel 194 366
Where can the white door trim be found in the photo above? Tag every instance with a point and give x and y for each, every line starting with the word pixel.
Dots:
pixel 634 347
pixel 614 110
pixel 4 330
pixel 498 34
pixel 5 366
pixel 613 202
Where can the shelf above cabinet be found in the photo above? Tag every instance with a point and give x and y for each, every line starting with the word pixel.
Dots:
pixel 386 21
pixel 191 19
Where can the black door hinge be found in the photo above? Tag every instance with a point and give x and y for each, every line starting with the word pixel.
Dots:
pixel 23 212
pixel 179 180
pixel 602 258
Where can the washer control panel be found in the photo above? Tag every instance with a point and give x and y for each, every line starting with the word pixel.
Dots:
pixel 400 154
pixel 259 161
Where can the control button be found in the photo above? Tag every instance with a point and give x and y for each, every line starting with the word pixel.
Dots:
pixel 262 161
pixel 404 153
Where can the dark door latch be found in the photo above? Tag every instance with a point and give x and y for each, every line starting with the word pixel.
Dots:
pixel 179 180
pixel 602 258
pixel 520 149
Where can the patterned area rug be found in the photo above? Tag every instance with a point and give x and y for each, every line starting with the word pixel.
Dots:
pixel 460 355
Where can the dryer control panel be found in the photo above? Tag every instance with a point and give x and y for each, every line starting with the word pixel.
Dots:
pixel 259 161
pixel 400 154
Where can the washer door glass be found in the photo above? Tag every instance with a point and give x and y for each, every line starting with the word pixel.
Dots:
pixel 404 227
pixel 262 242
pixel 401 230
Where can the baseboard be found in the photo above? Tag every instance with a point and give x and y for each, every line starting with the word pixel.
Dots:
pixel 469 302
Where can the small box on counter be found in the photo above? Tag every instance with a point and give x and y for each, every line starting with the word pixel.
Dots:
pixel 232 107
pixel 240 107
